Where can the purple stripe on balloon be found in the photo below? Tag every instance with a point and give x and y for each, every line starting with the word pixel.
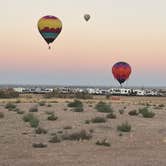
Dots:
pixel 50 17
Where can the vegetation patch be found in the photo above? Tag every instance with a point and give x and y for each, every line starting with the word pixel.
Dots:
pixel 103 142
pixel 146 113
pixel 133 113
pixel 75 103
pixel 111 115
pixel 52 117
pixel 98 120
pixel 2 115
pixel 40 130
pixel 39 145
pixel 33 109
pixel 103 107
pixel 33 121
pixel 124 127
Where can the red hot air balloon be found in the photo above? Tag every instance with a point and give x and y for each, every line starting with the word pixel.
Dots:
pixel 121 71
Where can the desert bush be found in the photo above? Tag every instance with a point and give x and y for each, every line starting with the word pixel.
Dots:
pixel 103 143
pixel 55 139
pixel 42 103
pixel 103 107
pixel 39 145
pixel 52 117
pixel 146 113
pixel 1 115
pixel 98 120
pixel 67 127
pixel 33 121
pixel 76 136
pixel 75 103
pixel 77 109
pixel 49 105
pixel 121 111
pixel 161 105
pixel 40 130
pixel 111 115
pixel 83 95
pixel 124 127
pixel 87 121
pixel 10 106
pixel 133 112
pixel 33 109
pixel 20 112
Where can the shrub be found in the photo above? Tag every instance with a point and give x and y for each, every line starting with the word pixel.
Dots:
pixel 10 106
pixel 8 93
pixel 67 127
pixel 111 116
pixel 20 112
pixel 39 145
pixel 40 130
pixel 133 113
pixel 87 121
pixel 76 136
pixel 98 120
pixel 121 111
pixel 103 143
pixel 161 105
pixel 77 109
pixel 33 121
pixel 49 105
pixel 42 103
pixel 33 109
pixel 75 103
pixel 1 115
pixel 103 107
pixel 52 117
pixel 55 139
pixel 146 113
pixel 18 101
pixel 124 127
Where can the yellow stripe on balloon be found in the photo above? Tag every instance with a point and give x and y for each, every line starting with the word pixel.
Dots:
pixel 50 23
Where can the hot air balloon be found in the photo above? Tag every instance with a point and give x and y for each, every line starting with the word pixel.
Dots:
pixel 121 71
pixel 86 17
pixel 49 27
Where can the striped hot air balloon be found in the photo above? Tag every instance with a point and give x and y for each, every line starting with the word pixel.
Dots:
pixel 49 27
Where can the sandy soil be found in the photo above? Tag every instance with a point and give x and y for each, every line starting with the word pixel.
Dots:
pixel 145 145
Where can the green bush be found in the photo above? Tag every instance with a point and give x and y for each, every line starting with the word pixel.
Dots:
pixel 124 127
pixel 146 113
pixel 103 107
pixel 33 121
pixel 87 121
pixel 98 120
pixel 49 105
pixel 75 103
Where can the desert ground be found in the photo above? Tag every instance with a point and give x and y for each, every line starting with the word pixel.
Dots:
pixel 144 145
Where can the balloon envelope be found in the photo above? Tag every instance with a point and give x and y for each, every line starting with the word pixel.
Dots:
pixel 49 27
pixel 121 71
pixel 86 17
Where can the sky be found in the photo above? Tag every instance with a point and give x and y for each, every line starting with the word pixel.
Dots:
pixel 84 53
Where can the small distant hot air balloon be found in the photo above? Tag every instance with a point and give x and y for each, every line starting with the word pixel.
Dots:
pixel 49 27
pixel 121 71
pixel 86 17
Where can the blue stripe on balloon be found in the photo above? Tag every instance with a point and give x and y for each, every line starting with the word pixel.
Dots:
pixel 49 35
